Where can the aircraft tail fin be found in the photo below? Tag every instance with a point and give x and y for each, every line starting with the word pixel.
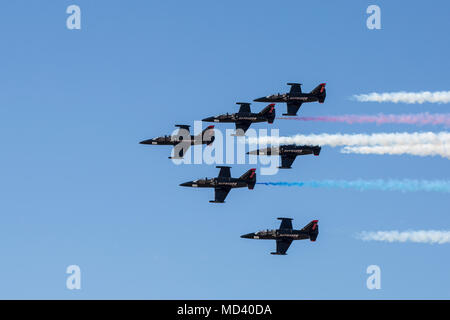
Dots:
pixel 316 150
pixel 269 112
pixel 313 229
pixel 320 92
pixel 250 178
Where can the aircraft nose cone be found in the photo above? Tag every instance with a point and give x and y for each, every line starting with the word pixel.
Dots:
pixel 186 184
pixel 209 119
pixel 149 141
pixel 248 236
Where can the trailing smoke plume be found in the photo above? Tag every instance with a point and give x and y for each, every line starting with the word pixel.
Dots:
pixel 364 185
pixel 406 97
pixel 415 150
pixel 376 139
pixel 417 119
pixel 420 236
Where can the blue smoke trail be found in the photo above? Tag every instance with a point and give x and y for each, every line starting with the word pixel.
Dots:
pixel 363 185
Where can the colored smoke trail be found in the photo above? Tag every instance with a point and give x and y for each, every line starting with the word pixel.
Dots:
pixel 363 185
pixel 416 143
pixel 406 97
pixel 415 150
pixel 420 236
pixel 375 139
pixel 417 119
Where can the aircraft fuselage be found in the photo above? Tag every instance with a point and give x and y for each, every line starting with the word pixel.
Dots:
pixel 174 140
pixel 288 150
pixel 216 183
pixel 286 97
pixel 236 117
pixel 278 234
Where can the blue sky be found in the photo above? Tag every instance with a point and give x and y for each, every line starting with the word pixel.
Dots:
pixel 77 188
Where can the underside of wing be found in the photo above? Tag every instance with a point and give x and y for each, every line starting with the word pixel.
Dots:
pixel 282 246
pixel 292 108
pixel 180 149
pixel 287 160
pixel 220 194
pixel 242 125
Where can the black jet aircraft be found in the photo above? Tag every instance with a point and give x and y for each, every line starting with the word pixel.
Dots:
pixel 224 183
pixel 288 153
pixel 244 118
pixel 183 140
pixel 286 234
pixel 295 97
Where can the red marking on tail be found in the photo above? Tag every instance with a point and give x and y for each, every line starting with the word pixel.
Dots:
pixel 323 87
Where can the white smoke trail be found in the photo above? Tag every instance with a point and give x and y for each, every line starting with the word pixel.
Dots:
pixel 420 236
pixel 412 118
pixel 416 150
pixel 406 97
pixel 376 139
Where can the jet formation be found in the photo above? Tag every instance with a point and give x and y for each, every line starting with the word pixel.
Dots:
pixel 286 234
pixel 295 98
pixel 244 118
pixel 223 183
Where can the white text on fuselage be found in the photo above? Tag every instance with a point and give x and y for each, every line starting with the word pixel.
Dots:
pixel 227 184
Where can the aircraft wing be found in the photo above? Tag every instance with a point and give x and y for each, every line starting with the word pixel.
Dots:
pixel 287 160
pixel 182 127
pixel 243 125
pixel 296 89
pixel 245 107
pixel 282 246
pixel 286 223
pixel 180 149
pixel 220 194
pixel 224 171
pixel 292 108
